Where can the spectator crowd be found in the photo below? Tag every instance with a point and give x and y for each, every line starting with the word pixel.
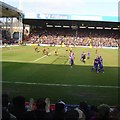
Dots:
pixel 102 38
pixel 18 109
pixel 85 37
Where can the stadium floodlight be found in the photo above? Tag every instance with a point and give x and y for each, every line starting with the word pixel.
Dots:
pixel 115 28
pixel 91 27
pixel 99 27
pixel 58 26
pixel 74 27
pixel 49 25
pixel 66 26
pixel 82 27
pixel 107 28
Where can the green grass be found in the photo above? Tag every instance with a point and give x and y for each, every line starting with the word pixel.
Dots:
pixel 23 64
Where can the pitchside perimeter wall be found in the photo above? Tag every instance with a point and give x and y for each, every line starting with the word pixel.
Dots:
pixel 63 46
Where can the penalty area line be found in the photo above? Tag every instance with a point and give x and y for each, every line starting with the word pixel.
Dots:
pixel 61 85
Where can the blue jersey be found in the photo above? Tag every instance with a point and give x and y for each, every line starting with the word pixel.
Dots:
pixel 95 65
pixel 101 65
pixel 100 62
pixel 72 58
pixel 95 62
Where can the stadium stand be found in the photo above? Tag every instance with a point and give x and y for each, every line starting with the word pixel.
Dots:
pixel 7 13
pixel 101 38
pixel 73 32
pixel 8 16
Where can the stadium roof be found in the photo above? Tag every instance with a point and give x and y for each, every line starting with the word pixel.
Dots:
pixel 44 23
pixel 9 11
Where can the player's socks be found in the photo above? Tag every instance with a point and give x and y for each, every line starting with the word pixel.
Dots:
pixel 92 69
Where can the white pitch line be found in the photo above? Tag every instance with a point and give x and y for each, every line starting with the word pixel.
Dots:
pixel 63 85
pixel 42 57
pixel 27 61
pixel 15 61
pixel 39 58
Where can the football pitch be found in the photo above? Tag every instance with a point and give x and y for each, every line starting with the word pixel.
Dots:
pixel 31 74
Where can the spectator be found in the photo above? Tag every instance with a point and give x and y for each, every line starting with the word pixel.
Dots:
pixel 6 115
pixel 115 113
pixel 18 106
pixel 39 113
pixel 72 115
pixel 103 112
pixel 5 100
pixel 84 108
pixel 59 112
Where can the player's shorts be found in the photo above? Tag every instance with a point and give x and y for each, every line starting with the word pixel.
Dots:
pixel 95 65
pixel 101 66
pixel 71 62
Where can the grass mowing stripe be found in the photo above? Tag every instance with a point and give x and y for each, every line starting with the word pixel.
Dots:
pixel 63 85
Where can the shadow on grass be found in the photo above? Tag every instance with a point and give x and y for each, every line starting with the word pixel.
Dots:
pixel 71 78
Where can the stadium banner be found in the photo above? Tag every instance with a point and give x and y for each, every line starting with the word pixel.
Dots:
pixel 74 17
pixel 53 16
